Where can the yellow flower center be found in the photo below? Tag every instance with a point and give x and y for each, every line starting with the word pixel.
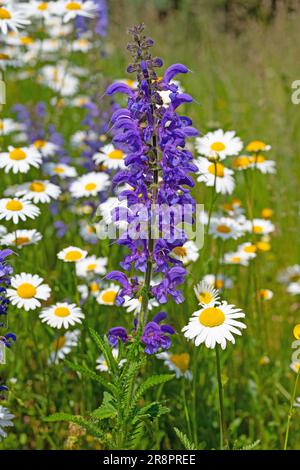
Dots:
pixel 181 361
pixel 109 297
pixel 73 6
pixel 39 144
pixel 116 155
pixel 205 297
pixel 4 14
pixel 21 240
pixel 37 187
pixel 235 259
pixel 73 255
pixel 257 229
pixel 94 287
pixel 140 299
pixel 43 6
pixel 256 146
pixel 90 186
pixel 241 162
pixel 250 249
pixel 218 146
pixel 26 40
pixel 267 213
pixel 58 170
pixel 58 343
pixel 219 283
pixel 223 229
pixel 179 251
pixel 296 331
pixel 4 56
pixel 257 159
pixel 102 138
pixel 211 317
pixel 263 246
pixel 91 267
pixel 62 312
pixel 14 205
pixel 17 154
pixel 216 169
pixel 129 82
pixel 26 291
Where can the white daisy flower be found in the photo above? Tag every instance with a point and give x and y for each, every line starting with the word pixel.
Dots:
pixel 108 296
pixel 263 165
pixel 215 325
pixel 178 363
pixel 82 45
pixel 80 137
pixel 206 294
pixel 39 191
pixel 11 19
pixel 60 169
pixel 225 228
pixel 105 210
pixel 110 157
pixel 47 149
pixel 90 184
pixel 102 365
pixel 38 9
pixel 290 274
pixel 134 305
pixel 220 282
pixel 91 266
pixel 16 209
pixel 8 126
pixel 249 249
pixel 293 288
pixel 209 172
pixel 21 238
pixel 265 294
pixel 219 144
pixel 27 290
pixel 237 257
pixel 72 254
pixel 260 226
pixel 59 80
pixel 5 421
pixel 19 160
pixel 258 146
pixel 188 252
pixel 62 314
pixel 242 162
pixel 70 9
pixel 63 345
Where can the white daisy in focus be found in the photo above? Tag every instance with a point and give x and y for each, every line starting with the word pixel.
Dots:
pixel 178 363
pixel 47 149
pixel 90 266
pixel 206 294
pixel 60 169
pixel 5 421
pixel 110 157
pixel 21 238
pixel 39 191
pixel 108 296
pixel 16 209
pixel 70 9
pixel 63 345
pixel 62 314
pixel 89 184
pixel 237 257
pixel 186 253
pixel 220 282
pixel 19 160
pixel 263 165
pixel 209 172
pixel 215 325
pixel 219 144
pixel 134 305
pixel 248 249
pixel 72 254
pixel 27 290
pixel 11 19
pixel 225 228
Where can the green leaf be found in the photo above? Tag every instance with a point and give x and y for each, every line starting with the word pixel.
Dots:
pixel 90 427
pixel 152 382
pixel 92 375
pixel 107 408
pixel 105 348
pixel 187 444
pixel 152 410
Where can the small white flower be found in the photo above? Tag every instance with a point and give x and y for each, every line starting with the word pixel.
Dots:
pixel 91 266
pixel 27 290
pixel 70 9
pixel 217 174
pixel 259 226
pixel 219 144
pixel 5 421
pixel 206 294
pixel 248 249
pixel 63 345
pixel 110 157
pixel 225 228
pixel 177 363
pixel 186 253
pixel 108 296
pixel 47 149
pixel 15 209
pixel 72 254
pixel 89 184
pixel 102 365
pixel 21 238
pixel 61 315
pixel 135 305
pixel 11 19
pixel 60 169
pixel 19 160
pixel 237 257
pixel 39 191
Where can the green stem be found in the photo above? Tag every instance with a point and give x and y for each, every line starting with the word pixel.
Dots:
pixel 213 197
pixel 290 414
pixel 221 401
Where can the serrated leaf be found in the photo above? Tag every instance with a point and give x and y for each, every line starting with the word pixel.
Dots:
pixel 105 348
pixel 152 382
pixel 187 444
pixel 107 408
pixel 92 375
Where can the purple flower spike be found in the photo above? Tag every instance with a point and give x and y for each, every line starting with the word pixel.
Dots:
pixel 154 335
pixel 115 333
pixel 173 70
